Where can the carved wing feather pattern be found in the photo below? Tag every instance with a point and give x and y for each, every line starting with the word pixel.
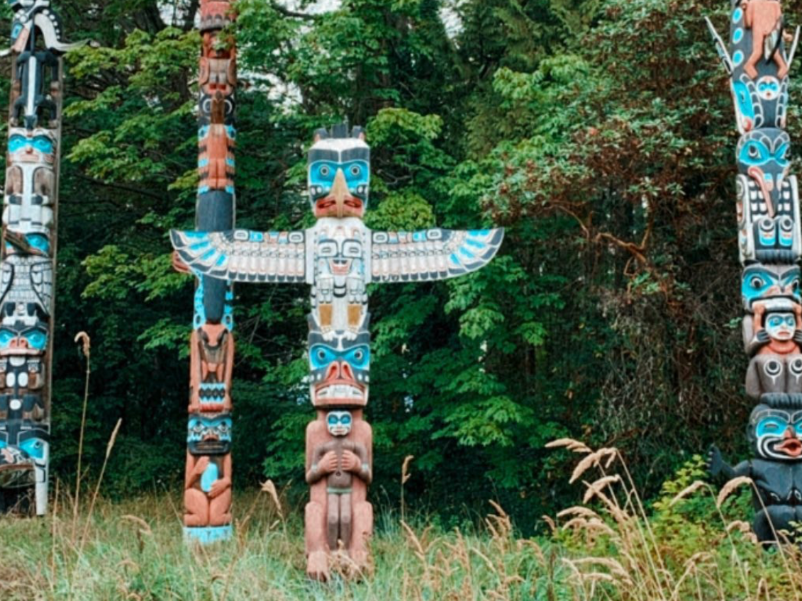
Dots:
pixel 434 254
pixel 243 255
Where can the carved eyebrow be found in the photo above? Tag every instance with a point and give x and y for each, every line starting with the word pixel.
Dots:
pixel 322 154
pixel 353 154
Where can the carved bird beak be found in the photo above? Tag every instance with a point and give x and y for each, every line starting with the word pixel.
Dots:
pixel 339 191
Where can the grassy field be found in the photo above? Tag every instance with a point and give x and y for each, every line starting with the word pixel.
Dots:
pixel 684 547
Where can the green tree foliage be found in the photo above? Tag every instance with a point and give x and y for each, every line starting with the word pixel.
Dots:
pixel 598 132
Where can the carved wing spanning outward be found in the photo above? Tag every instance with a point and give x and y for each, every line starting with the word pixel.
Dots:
pixel 431 254
pixel 243 255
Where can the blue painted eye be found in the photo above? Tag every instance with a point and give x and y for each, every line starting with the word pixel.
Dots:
pixel 6 337
pixel 790 321
pixel 36 339
pixel 757 282
pixel 358 357
pixel 771 426
pixel 792 281
pixel 43 144
pixel 345 420
pixel 38 241
pixel 754 153
pixel 333 420
pixel 775 322
pixel 320 356
pixel 17 143
pixel 34 447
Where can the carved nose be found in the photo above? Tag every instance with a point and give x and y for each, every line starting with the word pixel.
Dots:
pixel 339 191
pixel 19 342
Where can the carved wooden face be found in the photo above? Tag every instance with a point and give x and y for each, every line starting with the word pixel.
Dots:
pixel 763 155
pixel 762 282
pixel 776 433
pixel 780 326
pixel 339 176
pixel 209 435
pixel 339 423
pixel 339 369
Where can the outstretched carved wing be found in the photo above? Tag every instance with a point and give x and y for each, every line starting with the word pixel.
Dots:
pixel 431 254
pixel 243 255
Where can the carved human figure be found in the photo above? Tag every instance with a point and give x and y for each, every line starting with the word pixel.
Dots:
pixel 207 482
pixel 338 468
pixel 338 461
pixel 776 368
pixel 776 437
pixel 764 19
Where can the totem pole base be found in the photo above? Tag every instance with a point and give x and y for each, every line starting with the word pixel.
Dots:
pixel 207 535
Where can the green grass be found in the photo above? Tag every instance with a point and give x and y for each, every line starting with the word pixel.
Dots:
pixel 688 545
pixel 134 550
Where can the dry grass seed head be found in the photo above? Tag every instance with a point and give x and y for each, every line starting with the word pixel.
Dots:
pixel 270 489
pixel 599 485
pixel 731 486
pixel 594 460
pixel 578 510
pixel 687 491
pixel 569 443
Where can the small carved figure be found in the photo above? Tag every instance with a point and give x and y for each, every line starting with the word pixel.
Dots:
pixel 764 18
pixel 776 368
pixel 207 483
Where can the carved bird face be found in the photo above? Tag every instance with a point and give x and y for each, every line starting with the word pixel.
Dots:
pixel 339 173
pixel 339 369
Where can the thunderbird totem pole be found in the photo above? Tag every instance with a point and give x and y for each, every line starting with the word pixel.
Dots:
pixel 338 257
pixel 28 254
pixel 207 484
pixel 770 244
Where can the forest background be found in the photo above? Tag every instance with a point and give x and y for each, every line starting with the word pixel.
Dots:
pixel 599 133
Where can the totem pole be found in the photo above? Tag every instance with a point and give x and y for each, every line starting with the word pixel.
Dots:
pixel 770 245
pixel 28 254
pixel 338 257
pixel 207 484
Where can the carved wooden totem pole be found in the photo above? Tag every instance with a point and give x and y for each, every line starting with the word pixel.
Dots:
pixel 207 484
pixel 28 254
pixel 770 244
pixel 338 257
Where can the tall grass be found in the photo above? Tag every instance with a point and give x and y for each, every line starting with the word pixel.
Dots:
pixel 684 547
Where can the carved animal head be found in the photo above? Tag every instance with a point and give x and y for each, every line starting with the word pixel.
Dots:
pixel 339 369
pixel 339 173
pixel 209 435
